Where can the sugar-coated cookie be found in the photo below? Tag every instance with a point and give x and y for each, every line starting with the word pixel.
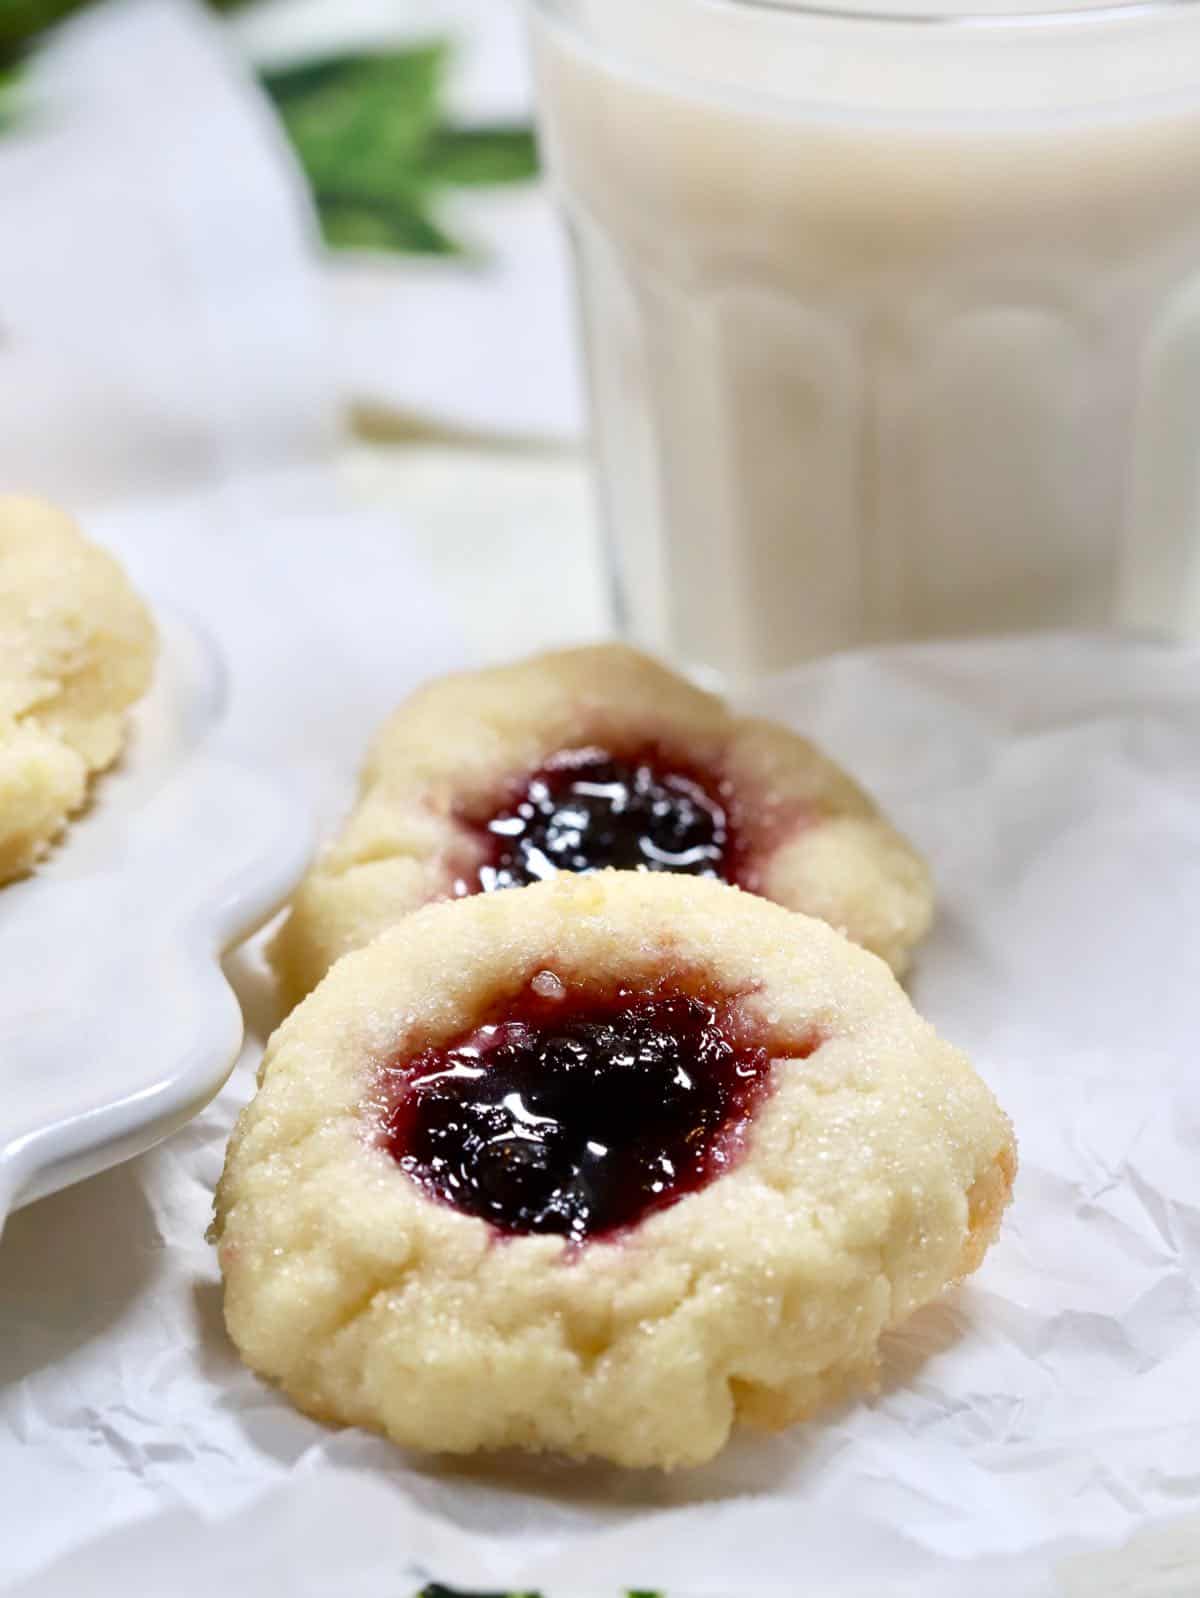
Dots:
pixel 602 1166
pixel 589 758
pixel 76 650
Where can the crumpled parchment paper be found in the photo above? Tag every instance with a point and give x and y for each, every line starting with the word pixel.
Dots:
pixel 1049 1408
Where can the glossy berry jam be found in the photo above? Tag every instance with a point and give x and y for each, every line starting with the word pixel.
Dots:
pixel 587 810
pixel 578 1113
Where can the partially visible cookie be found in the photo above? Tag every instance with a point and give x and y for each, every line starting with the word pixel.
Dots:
pixel 591 758
pixel 77 649
pixel 601 1165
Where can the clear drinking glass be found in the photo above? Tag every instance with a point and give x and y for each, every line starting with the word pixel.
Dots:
pixel 893 320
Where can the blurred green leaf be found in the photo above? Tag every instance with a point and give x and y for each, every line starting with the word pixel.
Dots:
pixel 438 1591
pixel 9 86
pixel 482 155
pixel 414 73
pixel 368 129
pixel 371 136
pixel 361 121
pixel 22 20
pixel 399 226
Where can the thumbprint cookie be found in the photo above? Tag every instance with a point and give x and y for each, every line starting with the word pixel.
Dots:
pixel 600 1165
pixel 589 759
pixel 77 649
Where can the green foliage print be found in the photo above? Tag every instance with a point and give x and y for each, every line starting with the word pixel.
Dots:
pixel 22 20
pixel 8 96
pixel 377 148
pixel 370 131
pixel 436 1590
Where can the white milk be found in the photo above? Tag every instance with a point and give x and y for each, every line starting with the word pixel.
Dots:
pixel 893 326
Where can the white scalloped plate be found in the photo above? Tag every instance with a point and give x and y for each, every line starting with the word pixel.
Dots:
pixel 116 1021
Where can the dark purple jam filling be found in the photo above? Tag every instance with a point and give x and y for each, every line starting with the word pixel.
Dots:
pixel 587 810
pixel 575 1112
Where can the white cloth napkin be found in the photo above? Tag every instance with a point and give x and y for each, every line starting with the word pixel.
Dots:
pixel 160 312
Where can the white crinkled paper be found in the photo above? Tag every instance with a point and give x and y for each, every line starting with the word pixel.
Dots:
pixel 1049 1408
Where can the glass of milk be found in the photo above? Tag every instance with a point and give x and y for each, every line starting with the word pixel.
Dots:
pixel 893 319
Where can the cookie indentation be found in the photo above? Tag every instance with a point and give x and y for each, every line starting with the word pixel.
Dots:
pixel 589 809
pixel 581 1114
